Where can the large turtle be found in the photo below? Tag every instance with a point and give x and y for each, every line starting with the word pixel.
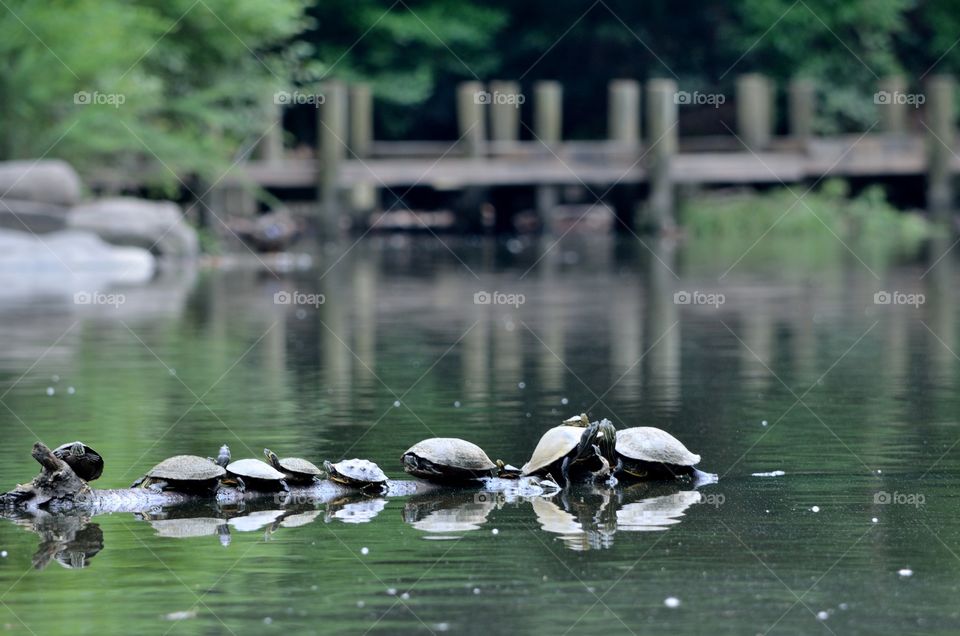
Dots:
pixel 447 459
pixel 645 452
pixel 573 447
pixel 357 473
pixel 85 462
pixel 298 471
pixel 255 475
pixel 183 473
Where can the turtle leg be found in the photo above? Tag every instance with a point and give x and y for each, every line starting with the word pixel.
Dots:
pixel 284 485
pixel 242 487
pixel 565 471
pixel 157 486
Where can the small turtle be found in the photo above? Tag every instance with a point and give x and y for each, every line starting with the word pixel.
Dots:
pixel 298 471
pixel 646 452
pixel 254 474
pixel 358 473
pixel 447 459
pixel 85 462
pixel 183 473
pixel 223 457
pixel 567 447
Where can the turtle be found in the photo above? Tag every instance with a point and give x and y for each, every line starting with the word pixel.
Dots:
pixel 85 462
pixel 183 473
pixel 358 473
pixel 574 446
pixel 223 457
pixel 254 474
pixel 645 452
pixel 447 459
pixel 298 471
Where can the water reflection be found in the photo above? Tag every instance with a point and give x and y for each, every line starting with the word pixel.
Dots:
pixel 72 541
pixel 449 512
pixel 358 509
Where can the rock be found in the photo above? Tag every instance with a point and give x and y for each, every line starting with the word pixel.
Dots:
pixel 32 216
pixel 45 181
pixel 155 225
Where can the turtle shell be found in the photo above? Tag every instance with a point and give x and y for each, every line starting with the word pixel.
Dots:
pixel 649 444
pixel 359 470
pixel 186 468
pixel 452 452
pixel 299 466
pixel 88 466
pixel 555 444
pixel 254 469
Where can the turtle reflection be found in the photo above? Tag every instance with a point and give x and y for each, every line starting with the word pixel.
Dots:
pixel 449 512
pixel 355 509
pixel 72 541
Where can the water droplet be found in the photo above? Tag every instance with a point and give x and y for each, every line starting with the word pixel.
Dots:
pixel 267 620
pixel 476 590
pixel 874 520
pixel 763 423
pixel 879 472
pixel 905 572
pixel 822 615
pixel 815 509
pixel 313 588
pixel 671 601
pixel 521 385
pixel 51 390
pixel 456 404
pixel 510 326
pixel 843 606
pixel 405 596
pixel 391 591
pixel 396 403
pixel 71 390
pixel 360 604
pixel 494 532
pixel 564 401
pixel 364 550
pixel 3 554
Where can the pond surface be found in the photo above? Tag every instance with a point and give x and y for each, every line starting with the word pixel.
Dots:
pixel 850 409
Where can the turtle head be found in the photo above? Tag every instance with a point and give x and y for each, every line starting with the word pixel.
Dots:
pixel 77 449
pixel 223 457
pixel 601 435
pixel 271 458
pixel 578 420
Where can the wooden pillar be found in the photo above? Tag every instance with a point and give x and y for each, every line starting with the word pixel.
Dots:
pixel 332 139
pixel 505 103
pixel 270 146
pixel 892 111
pixel 939 120
pixel 623 112
pixel 803 104
pixel 754 110
pixel 548 111
pixel 662 136
pixel 471 100
pixel 361 120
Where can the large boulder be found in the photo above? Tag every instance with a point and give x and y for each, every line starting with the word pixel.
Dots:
pixel 32 216
pixel 154 225
pixel 45 181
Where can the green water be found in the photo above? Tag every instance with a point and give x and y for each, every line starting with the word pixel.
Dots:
pixel 858 399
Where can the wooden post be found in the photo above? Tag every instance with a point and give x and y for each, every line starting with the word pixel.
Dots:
pixel 939 120
pixel 332 147
pixel 270 146
pixel 471 100
pixel 623 112
pixel 361 120
pixel 892 111
pixel 548 111
pixel 662 135
pixel 803 100
pixel 754 110
pixel 505 102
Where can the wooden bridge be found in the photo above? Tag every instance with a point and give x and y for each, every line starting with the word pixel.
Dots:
pixel 489 152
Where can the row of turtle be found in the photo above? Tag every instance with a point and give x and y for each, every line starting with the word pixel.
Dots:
pixel 576 449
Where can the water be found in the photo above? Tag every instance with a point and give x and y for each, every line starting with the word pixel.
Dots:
pixel 859 400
